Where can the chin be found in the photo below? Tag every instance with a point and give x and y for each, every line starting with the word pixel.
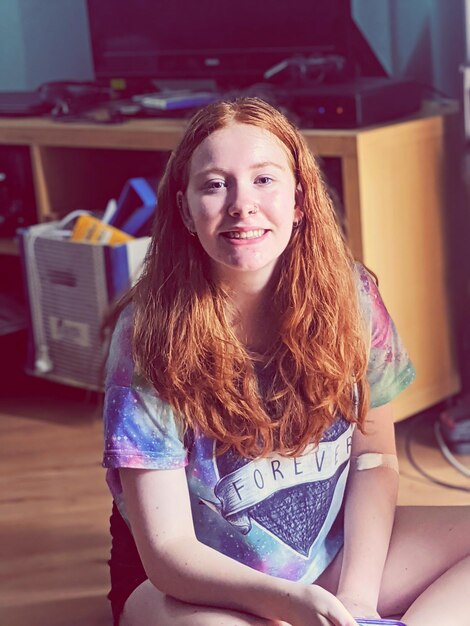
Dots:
pixel 256 270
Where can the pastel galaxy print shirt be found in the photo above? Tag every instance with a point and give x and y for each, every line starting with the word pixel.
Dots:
pixel 279 515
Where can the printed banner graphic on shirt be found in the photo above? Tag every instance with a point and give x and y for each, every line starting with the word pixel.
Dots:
pixel 301 487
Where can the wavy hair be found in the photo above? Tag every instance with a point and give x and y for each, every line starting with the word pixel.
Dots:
pixel 184 345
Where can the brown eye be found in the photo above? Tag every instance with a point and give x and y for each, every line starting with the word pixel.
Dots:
pixel 264 180
pixel 214 184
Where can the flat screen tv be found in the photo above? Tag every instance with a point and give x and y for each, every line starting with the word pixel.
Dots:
pixel 232 42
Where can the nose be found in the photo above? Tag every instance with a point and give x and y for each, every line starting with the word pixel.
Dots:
pixel 241 202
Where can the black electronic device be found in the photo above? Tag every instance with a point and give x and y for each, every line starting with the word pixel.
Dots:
pixel 23 103
pixel 352 104
pixel 308 57
pixel 72 98
pixel 57 98
pixel 229 44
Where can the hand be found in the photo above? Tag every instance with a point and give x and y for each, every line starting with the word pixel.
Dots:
pixel 358 608
pixel 314 606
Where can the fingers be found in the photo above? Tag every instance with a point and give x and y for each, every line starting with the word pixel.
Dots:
pixel 336 613
pixel 321 608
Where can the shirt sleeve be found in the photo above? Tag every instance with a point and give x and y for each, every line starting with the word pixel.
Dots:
pixel 389 369
pixel 140 430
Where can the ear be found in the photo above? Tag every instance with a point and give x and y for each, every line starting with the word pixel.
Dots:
pixel 299 204
pixel 184 211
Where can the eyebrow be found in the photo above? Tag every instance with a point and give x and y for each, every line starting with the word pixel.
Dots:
pixel 255 166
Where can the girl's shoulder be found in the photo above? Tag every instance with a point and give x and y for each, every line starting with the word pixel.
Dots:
pixel 389 368
pixel 366 285
pixel 374 313
pixel 120 364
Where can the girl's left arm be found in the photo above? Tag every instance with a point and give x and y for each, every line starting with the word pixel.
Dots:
pixel 370 503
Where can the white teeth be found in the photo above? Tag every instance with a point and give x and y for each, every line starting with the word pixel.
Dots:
pixel 246 234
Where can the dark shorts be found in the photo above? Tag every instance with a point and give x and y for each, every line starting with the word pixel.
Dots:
pixel 126 569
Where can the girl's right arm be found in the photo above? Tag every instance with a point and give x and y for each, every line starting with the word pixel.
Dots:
pixel 158 505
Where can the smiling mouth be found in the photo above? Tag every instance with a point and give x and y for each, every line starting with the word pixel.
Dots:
pixel 245 234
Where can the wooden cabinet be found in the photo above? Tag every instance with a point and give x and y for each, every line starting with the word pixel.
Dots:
pixel 394 196
pixel 393 187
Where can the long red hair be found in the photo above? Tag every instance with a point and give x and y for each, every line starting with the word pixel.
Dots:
pixel 185 346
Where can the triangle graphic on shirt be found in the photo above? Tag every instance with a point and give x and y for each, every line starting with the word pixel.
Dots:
pixel 294 515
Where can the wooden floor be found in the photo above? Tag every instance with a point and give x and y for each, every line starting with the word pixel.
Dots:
pixel 54 504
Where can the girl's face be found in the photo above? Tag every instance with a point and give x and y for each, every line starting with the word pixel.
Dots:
pixel 241 201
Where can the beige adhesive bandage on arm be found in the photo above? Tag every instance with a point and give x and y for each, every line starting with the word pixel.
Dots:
pixel 371 460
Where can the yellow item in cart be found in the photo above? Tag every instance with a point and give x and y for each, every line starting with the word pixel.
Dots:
pixel 92 230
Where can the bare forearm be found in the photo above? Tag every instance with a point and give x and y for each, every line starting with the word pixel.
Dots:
pixel 193 572
pixel 197 574
pixel 369 513
pixel 180 566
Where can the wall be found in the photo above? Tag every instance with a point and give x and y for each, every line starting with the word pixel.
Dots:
pixel 419 39
pixel 43 40
pixel 12 64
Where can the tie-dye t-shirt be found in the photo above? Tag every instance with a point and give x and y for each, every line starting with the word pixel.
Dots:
pixel 279 515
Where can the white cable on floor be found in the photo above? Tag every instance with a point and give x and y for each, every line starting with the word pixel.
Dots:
pixel 447 453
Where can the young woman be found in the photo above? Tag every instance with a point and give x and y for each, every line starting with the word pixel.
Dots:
pixel 249 434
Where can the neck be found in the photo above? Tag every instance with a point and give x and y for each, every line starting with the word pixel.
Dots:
pixel 254 322
pixel 253 317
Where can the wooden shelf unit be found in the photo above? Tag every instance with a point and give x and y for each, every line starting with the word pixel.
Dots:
pixel 393 180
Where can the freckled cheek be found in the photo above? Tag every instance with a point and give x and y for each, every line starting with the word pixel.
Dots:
pixel 283 214
pixel 285 200
pixel 207 211
pixel 207 221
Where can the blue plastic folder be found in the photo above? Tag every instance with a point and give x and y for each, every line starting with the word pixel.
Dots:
pixel 135 207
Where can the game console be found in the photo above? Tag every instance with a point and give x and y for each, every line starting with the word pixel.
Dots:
pixel 351 104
